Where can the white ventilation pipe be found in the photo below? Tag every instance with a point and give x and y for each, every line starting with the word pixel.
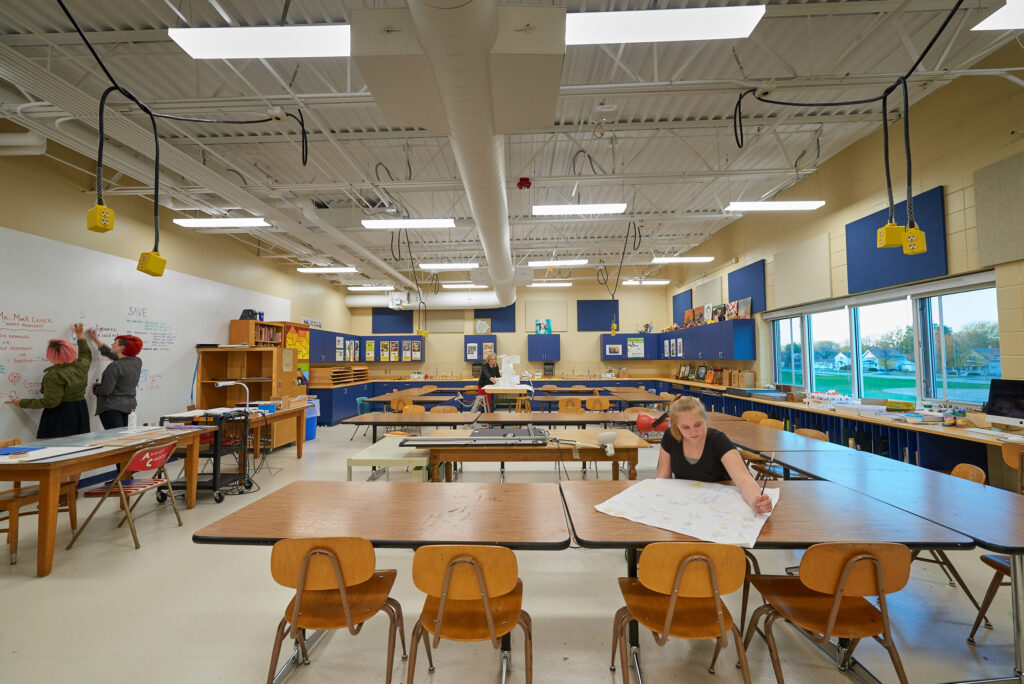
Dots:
pixel 441 300
pixel 21 144
pixel 457 36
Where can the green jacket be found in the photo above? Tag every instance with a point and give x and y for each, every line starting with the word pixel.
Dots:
pixel 64 381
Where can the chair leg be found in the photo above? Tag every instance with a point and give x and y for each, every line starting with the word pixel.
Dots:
pixel 12 532
pixel 397 608
pixel 624 648
pixel 890 646
pixel 128 515
pixel 947 564
pixel 170 495
pixel 527 625
pixel 81 529
pixel 773 650
pixel 301 638
pixel 993 587
pixel 741 654
pixel 714 656
pixel 392 625
pixel 616 626
pixel 282 629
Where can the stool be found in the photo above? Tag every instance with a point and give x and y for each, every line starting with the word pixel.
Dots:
pixel 523 405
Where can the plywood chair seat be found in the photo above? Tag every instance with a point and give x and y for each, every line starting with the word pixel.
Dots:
pixel 754 416
pixel 467 621
pixel 694 618
pixel 322 609
pixel 414 408
pixel 858 618
pixel 812 433
pixel 772 423
pixel 441 408
pixel 1001 564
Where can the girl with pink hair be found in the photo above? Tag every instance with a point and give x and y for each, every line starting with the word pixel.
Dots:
pixel 63 401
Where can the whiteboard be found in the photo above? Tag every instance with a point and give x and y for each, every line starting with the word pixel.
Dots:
pixel 48 285
pixel 803 273
pixel 709 292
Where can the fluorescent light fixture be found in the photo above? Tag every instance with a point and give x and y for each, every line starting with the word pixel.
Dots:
pixel 396 224
pixel 645 282
pixel 221 223
pixel 463 286
pixel 450 266
pixel 661 26
pixel 371 288
pixel 327 269
pixel 775 206
pixel 1009 18
pixel 682 260
pixel 551 283
pixel 577 209
pixel 267 42
pixel 558 262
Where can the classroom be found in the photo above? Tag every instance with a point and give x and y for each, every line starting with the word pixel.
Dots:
pixel 529 288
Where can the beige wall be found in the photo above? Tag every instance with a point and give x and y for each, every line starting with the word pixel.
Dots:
pixel 962 127
pixel 50 199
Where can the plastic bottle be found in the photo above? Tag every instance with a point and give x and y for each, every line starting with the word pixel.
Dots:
pixel 133 419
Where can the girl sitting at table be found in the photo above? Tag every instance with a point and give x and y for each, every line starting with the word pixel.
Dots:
pixel 690 450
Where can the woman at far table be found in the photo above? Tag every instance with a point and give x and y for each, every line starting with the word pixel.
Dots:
pixel 489 375
pixel 64 410
pixel 115 390
pixel 690 450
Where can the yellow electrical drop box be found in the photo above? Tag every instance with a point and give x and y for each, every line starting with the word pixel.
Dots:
pixel 100 219
pixel 914 241
pixel 890 235
pixel 151 263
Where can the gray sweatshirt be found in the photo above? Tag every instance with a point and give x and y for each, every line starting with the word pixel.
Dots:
pixel 116 388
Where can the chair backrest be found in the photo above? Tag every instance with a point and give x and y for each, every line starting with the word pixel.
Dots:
pixel 150 458
pixel 754 416
pixel 400 403
pixel 659 566
pixel 497 564
pixel 570 405
pixel 413 408
pixel 822 567
pixel 772 423
pixel 354 555
pixel 969 471
pixel 429 388
pixel 813 434
pixel 441 408
pixel 578 387
pixel 546 388
pixel 1012 455
pixel 641 409
pixel 598 404
pixel 4 443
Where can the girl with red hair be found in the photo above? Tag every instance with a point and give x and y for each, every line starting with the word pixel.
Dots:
pixel 63 401
pixel 115 390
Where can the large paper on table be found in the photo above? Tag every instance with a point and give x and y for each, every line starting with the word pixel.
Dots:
pixel 708 511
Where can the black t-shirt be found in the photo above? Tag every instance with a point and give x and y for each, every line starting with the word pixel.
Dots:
pixel 486 373
pixel 708 467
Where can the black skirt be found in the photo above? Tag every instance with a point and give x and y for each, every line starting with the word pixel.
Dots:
pixel 63 420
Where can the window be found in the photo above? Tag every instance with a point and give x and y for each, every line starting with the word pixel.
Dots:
pixel 788 359
pixel 887 363
pixel 831 364
pixel 962 345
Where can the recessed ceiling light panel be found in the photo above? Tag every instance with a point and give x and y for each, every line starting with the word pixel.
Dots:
pixel 264 42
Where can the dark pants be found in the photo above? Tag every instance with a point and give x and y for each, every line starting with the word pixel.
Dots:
pixel 113 419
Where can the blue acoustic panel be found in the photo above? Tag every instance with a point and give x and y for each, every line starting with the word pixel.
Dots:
pixel 596 314
pixel 869 267
pixel 389 322
pixel 748 282
pixel 681 303
pixel 479 340
pixel 502 320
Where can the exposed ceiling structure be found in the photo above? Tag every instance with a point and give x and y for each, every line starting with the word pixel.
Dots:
pixel 647 124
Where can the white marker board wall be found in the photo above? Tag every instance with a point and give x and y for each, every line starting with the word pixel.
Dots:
pixel 48 285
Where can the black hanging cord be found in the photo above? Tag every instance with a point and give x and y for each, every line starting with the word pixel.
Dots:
pixel 634 235
pixel 906 148
pixel 99 150
pixel 302 127
pixel 885 157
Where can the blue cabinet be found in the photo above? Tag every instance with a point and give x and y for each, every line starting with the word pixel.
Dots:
pixel 543 348
pixel 339 403
pixel 325 345
pixel 620 345
pixel 726 341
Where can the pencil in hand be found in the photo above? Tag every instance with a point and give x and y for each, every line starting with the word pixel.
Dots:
pixel 764 484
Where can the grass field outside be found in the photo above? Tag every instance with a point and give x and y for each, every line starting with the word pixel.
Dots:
pixel 895 385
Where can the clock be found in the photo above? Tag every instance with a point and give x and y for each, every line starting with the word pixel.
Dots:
pixel 482 326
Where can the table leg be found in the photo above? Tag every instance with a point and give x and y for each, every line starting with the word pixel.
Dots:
pixel 300 432
pixel 192 470
pixel 257 437
pixel 435 467
pixel 49 494
pixel 632 467
pixel 448 471
pixel 615 470
pixel 632 556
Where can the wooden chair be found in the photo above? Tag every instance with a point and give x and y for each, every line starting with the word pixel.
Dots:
pixel 1001 564
pixel 523 405
pixel 678 593
pixel 579 388
pixel 336 586
pixel 666 399
pixel 429 388
pixel 754 416
pixel 598 404
pixel 969 471
pixel 442 408
pixel 569 405
pixel 548 388
pixel 473 594
pixel 1013 456
pixel 400 403
pixel 414 408
pixel 827 598
pixel 145 459
pixel 773 424
pixel 813 434
pixel 12 500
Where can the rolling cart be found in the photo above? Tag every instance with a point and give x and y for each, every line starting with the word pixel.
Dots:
pixel 229 440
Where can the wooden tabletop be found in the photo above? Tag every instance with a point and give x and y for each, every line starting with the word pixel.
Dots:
pixel 559 418
pixel 717 417
pixel 400 514
pixel 765 439
pixel 416 399
pixel 398 418
pixel 495 389
pixel 408 393
pixel 809 512
pixel 624 439
pixel 990 515
pixel 630 394
pixel 554 399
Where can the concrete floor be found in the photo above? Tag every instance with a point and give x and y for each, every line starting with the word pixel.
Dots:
pixel 175 611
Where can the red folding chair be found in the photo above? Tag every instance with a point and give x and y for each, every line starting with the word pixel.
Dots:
pixel 146 459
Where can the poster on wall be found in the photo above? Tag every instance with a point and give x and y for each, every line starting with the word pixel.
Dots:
pixel 370 350
pixel 339 355
pixel 339 342
pixel 406 350
pixel 394 350
pixel 471 351
pixel 634 347
pixel 613 350
pixel 674 348
pixel 416 350
pixel 666 352
pixel 488 349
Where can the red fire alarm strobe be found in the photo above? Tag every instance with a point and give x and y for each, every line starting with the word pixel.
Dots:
pixel 524 183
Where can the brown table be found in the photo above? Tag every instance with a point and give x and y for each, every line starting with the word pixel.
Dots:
pixel 416 399
pixel 628 395
pixel 626 446
pixel 257 423
pixel 560 418
pixel 717 417
pixel 582 398
pixel 380 418
pixel 400 515
pixel 49 473
pixel 764 440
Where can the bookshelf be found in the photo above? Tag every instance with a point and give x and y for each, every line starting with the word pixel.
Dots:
pixel 256 333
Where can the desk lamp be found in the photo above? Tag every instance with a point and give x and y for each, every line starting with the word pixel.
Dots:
pixel 226 383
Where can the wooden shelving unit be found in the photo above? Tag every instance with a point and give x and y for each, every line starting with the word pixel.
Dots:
pixel 328 377
pixel 256 333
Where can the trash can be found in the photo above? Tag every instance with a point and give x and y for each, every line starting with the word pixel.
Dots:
pixel 311 415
